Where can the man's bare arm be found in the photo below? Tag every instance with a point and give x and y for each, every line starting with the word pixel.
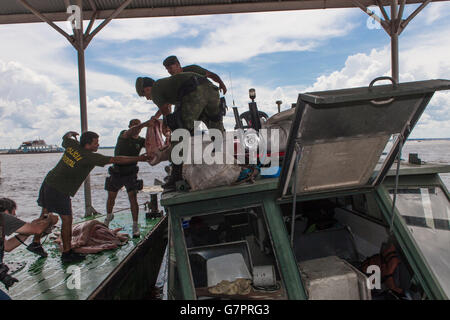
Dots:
pixel 157 114
pixel 13 243
pixel 37 226
pixel 165 109
pixel 71 134
pixel 134 130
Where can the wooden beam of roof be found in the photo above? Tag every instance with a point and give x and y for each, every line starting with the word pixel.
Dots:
pixel 189 10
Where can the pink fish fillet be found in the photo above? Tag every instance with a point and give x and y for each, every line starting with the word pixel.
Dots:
pixel 156 140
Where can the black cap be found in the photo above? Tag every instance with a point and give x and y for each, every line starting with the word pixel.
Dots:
pixel 143 82
pixel 170 60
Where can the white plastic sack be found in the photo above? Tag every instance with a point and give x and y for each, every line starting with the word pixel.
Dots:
pixel 203 175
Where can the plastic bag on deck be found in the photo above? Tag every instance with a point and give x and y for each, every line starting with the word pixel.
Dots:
pixel 204 175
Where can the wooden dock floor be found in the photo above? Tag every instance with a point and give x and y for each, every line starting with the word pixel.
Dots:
pixel 48 278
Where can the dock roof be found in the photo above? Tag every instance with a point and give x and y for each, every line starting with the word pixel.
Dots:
pixel 13 11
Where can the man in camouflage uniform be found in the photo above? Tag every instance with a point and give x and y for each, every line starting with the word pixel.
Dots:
pixel 173 67
pixel 196 99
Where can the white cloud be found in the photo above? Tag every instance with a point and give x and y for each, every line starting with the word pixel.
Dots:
pixel 138 29
pixel 39 81
pixel 359 70
pixel 141 65
pixel 143 29
pixel 41 49
pixel 424 56
pixel 243 36
pixel 435 11
pixel 236 38
pixel 33 105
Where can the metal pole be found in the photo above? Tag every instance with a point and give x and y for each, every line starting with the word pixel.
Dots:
pixel 83 106
pixel 394 41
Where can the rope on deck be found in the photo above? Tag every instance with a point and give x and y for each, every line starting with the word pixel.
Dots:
pixel 129 208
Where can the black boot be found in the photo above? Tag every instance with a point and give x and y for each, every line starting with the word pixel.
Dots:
pixel 175 175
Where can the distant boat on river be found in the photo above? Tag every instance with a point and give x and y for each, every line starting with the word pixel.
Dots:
pixel 35 146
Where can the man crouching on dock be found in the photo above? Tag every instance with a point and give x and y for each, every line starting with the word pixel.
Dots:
pixel 64 180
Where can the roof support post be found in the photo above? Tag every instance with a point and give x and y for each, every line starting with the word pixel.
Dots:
pixel 80 41
pixel 79 36
pixel 393 25
pixel 394 41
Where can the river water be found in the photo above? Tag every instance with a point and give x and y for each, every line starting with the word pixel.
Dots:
pixel 21 177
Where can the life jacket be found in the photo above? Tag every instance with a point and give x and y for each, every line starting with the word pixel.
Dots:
pixel 389 263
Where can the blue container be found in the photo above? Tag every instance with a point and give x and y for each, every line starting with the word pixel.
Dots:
pixel 271 172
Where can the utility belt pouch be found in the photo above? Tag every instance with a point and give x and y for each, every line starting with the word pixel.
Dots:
pixel 113 170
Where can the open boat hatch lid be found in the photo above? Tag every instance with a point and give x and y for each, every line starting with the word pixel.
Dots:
pixel 339 136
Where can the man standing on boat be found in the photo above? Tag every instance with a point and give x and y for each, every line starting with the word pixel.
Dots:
pixel 129 143
pixel 63 182
pixel 173 66
pixel 195 99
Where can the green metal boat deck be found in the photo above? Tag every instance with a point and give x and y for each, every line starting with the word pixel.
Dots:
pixel 48 278
pixel 264 193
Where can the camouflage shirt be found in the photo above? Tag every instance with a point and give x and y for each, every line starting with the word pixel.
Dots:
pixel 195 68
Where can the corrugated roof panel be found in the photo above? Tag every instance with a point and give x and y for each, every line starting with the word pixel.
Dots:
pixel 12 11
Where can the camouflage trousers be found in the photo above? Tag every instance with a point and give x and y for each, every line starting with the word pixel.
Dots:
pixel 198 105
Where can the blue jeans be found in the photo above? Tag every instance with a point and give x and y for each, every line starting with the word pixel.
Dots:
pixel 4 296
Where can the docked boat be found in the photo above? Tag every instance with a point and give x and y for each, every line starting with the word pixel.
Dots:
pixel 337 223
pixel 35 146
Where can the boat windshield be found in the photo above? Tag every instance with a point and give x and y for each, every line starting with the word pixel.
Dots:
pixel 426 211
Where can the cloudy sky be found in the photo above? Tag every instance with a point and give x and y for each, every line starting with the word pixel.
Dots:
pixel 279 54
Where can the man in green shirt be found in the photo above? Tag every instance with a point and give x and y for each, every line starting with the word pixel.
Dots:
pixel 195 99
pixel 173 66
pixel 64 180
pixel 129 143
